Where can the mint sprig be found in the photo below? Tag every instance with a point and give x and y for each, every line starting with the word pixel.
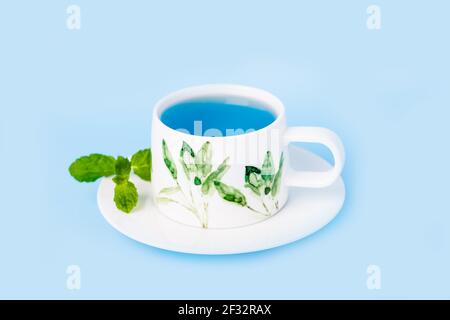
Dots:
pixel 94 166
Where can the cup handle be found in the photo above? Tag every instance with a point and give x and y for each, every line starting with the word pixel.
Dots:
pixel 312 179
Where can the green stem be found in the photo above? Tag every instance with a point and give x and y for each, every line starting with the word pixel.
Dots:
pixel 181 189
pixel 192 203
pixel 254 210
pixel 190 190
pixel 205 211
pixel 265 206
pixel 187 207
pixel 191 207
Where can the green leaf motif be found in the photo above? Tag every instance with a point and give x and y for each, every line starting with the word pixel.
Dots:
pixel 253 188
pixel 90 168
pixel 125 196
pixel 203 160
pixel 168 160
pixel 170 190
pixel 249 170
pixel 268 170
pixel 141 162
pixel 187 159
pixel 197 181
pixel 230 193
pixel 215 176
pixel 253 179
pixel 277 178
pixel 123 169
pixel 164 200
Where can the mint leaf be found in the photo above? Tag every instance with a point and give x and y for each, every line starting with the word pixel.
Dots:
pixel 125 196
pixel 123 169
pixel 90 168
pixel 141 162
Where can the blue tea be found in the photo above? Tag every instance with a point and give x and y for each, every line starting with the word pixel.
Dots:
pixel 215 118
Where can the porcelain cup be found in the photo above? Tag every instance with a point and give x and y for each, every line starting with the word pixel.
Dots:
pixel 231 181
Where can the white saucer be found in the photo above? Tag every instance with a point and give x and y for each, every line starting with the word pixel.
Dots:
pixel 307 211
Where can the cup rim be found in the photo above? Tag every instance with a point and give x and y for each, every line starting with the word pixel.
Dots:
pixel 217 90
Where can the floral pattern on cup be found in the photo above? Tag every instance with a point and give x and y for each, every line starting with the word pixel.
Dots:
pixel 264 182
pixel 204 182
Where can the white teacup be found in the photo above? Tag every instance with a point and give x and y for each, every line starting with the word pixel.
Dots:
pixel 231 181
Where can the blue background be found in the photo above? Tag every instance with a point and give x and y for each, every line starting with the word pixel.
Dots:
pixel 67 93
